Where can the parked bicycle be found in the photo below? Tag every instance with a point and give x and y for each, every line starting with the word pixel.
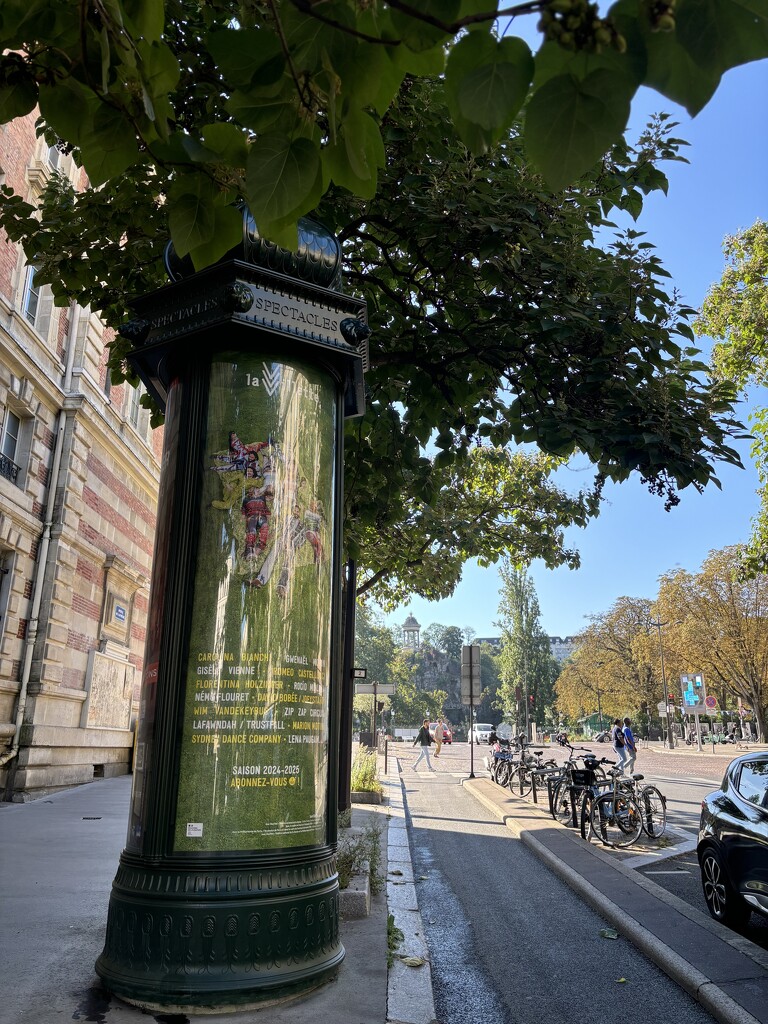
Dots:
pixel 615 817
pixel 520 780
pixel 652 803
pixel 502 758
pixel 567 788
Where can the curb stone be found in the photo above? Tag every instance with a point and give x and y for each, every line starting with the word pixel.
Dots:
pixel 409 989
pixel 355 900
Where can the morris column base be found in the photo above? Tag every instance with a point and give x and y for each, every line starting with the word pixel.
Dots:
pixel 218 938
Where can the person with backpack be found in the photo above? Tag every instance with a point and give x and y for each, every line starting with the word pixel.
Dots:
pixel 619 745
pixel 630 746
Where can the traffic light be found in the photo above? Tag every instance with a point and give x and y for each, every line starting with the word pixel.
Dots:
pixel 379 705
pixel 531 700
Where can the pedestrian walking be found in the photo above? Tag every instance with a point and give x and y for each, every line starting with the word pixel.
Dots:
pixel 630 746
pixel 439 736
pixel 423 739
pixel 617 739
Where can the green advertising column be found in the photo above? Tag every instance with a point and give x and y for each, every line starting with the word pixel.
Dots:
pixel 227 894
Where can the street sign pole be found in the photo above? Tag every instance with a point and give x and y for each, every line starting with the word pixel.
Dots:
pixel 472 711
pixel 470 690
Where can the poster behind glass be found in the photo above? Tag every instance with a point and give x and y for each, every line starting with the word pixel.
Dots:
pixel 254 752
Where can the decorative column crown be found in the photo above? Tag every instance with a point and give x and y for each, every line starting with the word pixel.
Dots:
pixel 317 260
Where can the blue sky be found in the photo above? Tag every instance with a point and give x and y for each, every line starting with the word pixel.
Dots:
pixel 634 541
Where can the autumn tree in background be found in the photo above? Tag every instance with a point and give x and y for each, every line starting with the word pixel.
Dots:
pixel 724 632
pixel 612 655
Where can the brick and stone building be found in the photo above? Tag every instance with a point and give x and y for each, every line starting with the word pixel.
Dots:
pixel 79 471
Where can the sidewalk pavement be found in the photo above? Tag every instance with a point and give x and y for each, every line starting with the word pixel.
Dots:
pixel 58 856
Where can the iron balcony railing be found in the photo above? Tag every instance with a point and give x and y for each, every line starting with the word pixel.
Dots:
pixel 8 469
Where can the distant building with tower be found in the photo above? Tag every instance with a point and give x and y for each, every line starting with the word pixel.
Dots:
pixel 411 631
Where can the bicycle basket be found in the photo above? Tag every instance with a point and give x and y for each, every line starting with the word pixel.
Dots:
pixel 582 777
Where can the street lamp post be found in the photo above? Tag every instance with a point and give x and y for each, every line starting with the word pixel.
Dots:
pixel 670 738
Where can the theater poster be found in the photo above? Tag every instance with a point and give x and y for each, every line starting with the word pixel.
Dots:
pixel 254 754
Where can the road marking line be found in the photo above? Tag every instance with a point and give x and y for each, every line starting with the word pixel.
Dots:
pixel 679 871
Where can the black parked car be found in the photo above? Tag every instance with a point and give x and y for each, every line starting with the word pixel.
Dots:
pixel 733 842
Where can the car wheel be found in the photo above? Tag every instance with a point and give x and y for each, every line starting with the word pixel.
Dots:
pixel 723 903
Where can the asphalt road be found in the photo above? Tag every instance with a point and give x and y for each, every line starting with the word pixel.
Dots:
pixel 508 941
pixel 685 779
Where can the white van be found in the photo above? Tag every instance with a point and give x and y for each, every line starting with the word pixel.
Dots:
pixel 480 732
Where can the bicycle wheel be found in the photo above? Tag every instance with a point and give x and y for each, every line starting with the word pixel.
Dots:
pixel 585 815
pixel 502 773
pixel 653 804
pixel 520 782
pixel 617 820
pixel 562 810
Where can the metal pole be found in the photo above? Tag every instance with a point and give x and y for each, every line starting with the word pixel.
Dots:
pixel 670 738
pixel 347 690
pixel 471 716
pixel 599 709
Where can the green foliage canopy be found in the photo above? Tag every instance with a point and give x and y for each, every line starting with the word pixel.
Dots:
pixel 278 100
pixel 501 318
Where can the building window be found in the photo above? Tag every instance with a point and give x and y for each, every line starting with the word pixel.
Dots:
pixel 9 446
pixel 6 571
pixel 134 408
pixel 54 157
pixel 31 301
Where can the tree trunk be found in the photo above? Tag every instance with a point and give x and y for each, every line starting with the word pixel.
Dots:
pixel 759 711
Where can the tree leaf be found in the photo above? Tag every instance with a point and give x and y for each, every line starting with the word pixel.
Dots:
pixel 487 81
pixel 412 961
pixel 719 34
pixel 68 107
pixel 192 213
pixel 226 233
pixel 363 144
pixel 18 91
pixel 281 176
pixel 146 16
pixel 260 113
pixel 418 35
pixel 337 168
pixel 109 146
pixel 571 123
pixel 227 142
pixel 670 68
pixel 248 57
